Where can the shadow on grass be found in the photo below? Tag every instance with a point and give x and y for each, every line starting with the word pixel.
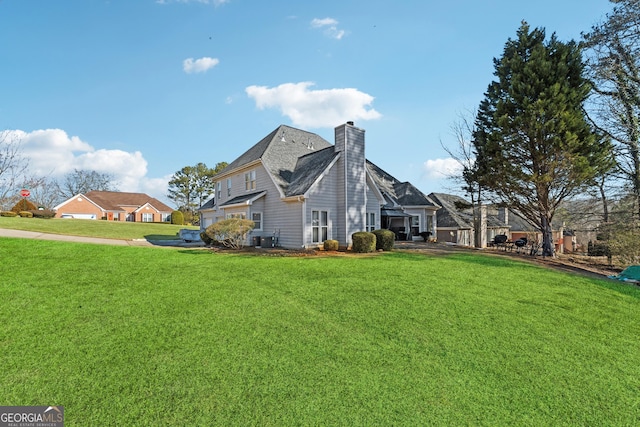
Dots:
pixel 152 237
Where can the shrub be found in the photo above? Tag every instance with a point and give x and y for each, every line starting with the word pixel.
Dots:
pixel 363 242
pixel 177 218
pixel 205 238
pixel 331 245
pixel 23 205
pixel 8 213
pixel 231 232
pixel 44 213
pixel 385 239
pixel 598 249
pixel 25 214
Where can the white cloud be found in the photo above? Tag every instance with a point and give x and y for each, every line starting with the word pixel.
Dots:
pixel 441 168
pixel 51 152
pixel 200 65
pixel 329 27
pixel 315 108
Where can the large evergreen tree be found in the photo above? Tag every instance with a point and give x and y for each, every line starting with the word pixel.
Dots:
pixel 191 186
pixel 534 146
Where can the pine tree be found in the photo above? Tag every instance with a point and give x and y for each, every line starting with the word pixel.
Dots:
pixel 533 143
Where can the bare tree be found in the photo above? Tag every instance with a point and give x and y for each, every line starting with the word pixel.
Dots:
pixel 13 168
pixel 83 181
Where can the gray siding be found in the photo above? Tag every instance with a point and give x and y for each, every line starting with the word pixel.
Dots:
pixel 322 197
pixel 352 190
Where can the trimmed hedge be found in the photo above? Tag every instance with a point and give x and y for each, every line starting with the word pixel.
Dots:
pixel 177 218
pixel 331 245
pixel 25 214
pixel 363 242
pixel 8 213
pixel 23 205
pixel 385 239
pixel 205 238
pixel 43 213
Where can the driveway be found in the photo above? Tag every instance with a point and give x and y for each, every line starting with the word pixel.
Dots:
pixel 4 232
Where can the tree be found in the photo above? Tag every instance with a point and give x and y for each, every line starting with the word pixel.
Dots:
pixel 191 186
pixel 613 59
pixel 534 145
pixel 83 181
pixel 13 168
pixel 465 155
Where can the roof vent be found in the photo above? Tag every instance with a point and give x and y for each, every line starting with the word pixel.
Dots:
pixel 282 137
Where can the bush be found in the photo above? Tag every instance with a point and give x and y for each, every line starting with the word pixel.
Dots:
pixel 44 213
pixel 25 214
pixel 363 242
pixel 23 205
pixel 231 232
pixel 177 218
pixel 331 245
pixel 598 249
pixel 8 213
pixel 385 239
pixel 205 238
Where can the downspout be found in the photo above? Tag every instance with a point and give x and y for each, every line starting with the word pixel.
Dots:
pixel 304 225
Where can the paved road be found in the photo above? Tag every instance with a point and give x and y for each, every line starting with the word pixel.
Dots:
pixel 97 240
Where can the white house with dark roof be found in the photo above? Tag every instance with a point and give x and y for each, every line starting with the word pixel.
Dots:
pixel 301 190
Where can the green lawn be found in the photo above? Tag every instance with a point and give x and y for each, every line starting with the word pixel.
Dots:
pixel 89 228
pixel 129 336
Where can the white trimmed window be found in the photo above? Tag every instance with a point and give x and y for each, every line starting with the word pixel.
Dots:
pixel 319 226
pixel 250 180
pixel 415 225
pixel 256 217
pixel 228 187
pixel 219 191
pixel 165 217
pixel 147 217
pixel 371 221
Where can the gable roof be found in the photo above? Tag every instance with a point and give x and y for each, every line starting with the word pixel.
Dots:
pixel 295 159
pixel 396 192
pixel 279 152
pixel 114 200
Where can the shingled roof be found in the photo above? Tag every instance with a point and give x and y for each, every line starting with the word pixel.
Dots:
pixel 114 200
pixel 296 158
pixel 292 157
pixel 396 192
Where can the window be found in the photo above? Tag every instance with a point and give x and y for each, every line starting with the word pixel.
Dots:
pixel 147 217
pixel 256 217
pixel 165 217
pixel 219 191
pixel 250 180
pixel 415 225
pixel 240 215
pixel 371 221
pixel 228 187
pixel 319 226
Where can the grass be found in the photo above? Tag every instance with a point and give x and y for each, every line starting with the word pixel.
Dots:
pixel 145 336
pixel 89 228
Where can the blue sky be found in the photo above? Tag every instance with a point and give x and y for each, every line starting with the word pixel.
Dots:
pixel 142 88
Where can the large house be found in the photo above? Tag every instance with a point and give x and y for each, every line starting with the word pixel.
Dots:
pixel 114 206
pixel 301 190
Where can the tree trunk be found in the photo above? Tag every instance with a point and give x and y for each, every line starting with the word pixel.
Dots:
pixel 547 238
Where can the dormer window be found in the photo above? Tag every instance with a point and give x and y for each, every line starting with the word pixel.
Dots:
pixel 250 180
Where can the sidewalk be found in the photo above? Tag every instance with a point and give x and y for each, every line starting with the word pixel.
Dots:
pixel 97 240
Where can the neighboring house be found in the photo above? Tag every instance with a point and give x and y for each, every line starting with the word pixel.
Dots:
pixel 456 224
pixel 456 220
pixel 301 190
pixel 114 206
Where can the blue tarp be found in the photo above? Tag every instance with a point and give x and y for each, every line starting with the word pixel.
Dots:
pixel 629 274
